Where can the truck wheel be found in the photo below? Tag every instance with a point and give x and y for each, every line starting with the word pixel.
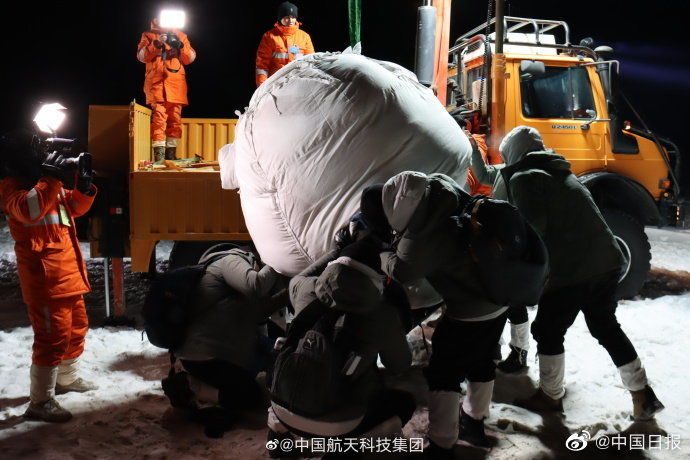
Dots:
pixel 632 240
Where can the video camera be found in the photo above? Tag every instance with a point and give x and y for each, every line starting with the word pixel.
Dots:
pixel 172 40
pixel 60 161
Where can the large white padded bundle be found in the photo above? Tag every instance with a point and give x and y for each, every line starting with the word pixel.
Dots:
pixel 316 134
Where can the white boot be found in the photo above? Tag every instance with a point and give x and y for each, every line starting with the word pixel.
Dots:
pixel 67 379
pixel 519 335
pixel 633 375
pixel 477 402
pixel 444 417
pixel 43 405
pixel 43 380
pixel 552 375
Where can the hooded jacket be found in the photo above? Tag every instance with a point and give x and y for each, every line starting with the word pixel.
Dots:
pixel 433 245
pixel 165 79
pixel 563 212
pixel 515 145
pixel 371 326
pixel 233 297
pixel 278 47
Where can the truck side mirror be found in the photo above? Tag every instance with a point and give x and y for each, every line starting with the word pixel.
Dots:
pixel 532 68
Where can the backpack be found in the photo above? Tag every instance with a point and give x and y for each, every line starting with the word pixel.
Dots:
pixel 165 310
pixel 311 372
pixel 511 259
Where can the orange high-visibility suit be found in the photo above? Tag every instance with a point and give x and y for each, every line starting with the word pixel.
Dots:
pixel 52 272
pixel 278 47
pixel 165 85
pixel 477 187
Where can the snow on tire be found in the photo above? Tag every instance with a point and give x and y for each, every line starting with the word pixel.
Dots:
pixel 631 238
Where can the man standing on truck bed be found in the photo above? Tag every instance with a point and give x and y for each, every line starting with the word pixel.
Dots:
pixel 165 53
pixel 282 44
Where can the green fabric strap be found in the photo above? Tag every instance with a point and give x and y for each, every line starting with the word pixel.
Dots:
pixel 354 13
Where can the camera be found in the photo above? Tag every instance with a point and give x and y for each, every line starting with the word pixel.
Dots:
pixel 172 40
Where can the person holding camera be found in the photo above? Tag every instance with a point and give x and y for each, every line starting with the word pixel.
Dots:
pixel 282 44
pixel 41 195
pixel 165 53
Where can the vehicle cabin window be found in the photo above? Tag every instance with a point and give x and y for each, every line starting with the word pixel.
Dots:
pixel 561 92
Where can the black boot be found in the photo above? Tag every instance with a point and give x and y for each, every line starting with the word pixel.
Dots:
pixel 645 404
pixel 159 153
pixel 171 153
pixel 176 388
pixel 472 431
pixel 515 362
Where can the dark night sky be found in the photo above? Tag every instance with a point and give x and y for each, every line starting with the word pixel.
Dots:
pixel 87 56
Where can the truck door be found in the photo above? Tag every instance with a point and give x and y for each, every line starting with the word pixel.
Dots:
pixel 557 103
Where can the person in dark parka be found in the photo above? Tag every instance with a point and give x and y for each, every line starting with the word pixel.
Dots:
pixel 225 347
pixel 350 280
pixel 586 265
pixel 493 175
pixel 433 246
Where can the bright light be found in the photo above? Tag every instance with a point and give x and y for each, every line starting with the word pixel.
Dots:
pixel 172 19
pixel 50 117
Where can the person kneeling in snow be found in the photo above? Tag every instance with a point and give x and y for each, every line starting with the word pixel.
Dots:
pixel 586 265
pixel 342 313
pixel 225 346
pixel 41 198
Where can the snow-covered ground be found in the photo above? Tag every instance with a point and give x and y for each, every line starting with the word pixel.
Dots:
pixel 129 417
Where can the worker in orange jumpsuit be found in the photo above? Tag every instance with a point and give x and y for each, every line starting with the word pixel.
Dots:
pixel 165 53
pixel 282 44
pixel 40 212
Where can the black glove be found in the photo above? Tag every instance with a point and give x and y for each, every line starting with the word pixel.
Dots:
pixel 158 44
pixel 343 237
pixel 174 42
pixel 55 165
pixel 84 173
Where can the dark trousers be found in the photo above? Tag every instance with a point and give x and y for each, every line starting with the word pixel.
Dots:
pixel 517 315
pixel 463 350
pixel 237 389
pixel 595 297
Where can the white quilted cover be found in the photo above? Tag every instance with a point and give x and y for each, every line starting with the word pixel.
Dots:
pixel 316 133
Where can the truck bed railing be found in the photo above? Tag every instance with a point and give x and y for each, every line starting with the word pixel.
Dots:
pixel 513 24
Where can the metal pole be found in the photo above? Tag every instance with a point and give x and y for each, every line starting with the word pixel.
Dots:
pixel 424 61
pixel 499 27
pixel 118 287
pixel 106 278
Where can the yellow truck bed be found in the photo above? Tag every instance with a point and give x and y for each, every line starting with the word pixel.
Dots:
pixel 187 205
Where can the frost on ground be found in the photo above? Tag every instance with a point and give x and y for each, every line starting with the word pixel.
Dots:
pixel 129 417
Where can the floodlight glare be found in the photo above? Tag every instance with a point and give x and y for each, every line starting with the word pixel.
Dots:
pixel 50 117
pixel 172 19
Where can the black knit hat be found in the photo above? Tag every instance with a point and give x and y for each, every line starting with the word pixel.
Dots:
pixel 287 9
pixel 371 206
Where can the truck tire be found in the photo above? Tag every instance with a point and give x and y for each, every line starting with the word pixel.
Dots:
pixel 632 239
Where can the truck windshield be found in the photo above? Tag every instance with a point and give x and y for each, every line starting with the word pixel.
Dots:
pixel 561 92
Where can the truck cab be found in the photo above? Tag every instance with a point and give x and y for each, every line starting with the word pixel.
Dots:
pixel 569 93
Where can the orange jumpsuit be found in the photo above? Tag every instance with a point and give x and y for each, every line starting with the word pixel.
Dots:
pixel 165 85
pixel 278 47
pixel 52 272
pixel 476 186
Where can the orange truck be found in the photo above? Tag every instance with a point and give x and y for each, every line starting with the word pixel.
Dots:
pixel 533 75
pixel 140 205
